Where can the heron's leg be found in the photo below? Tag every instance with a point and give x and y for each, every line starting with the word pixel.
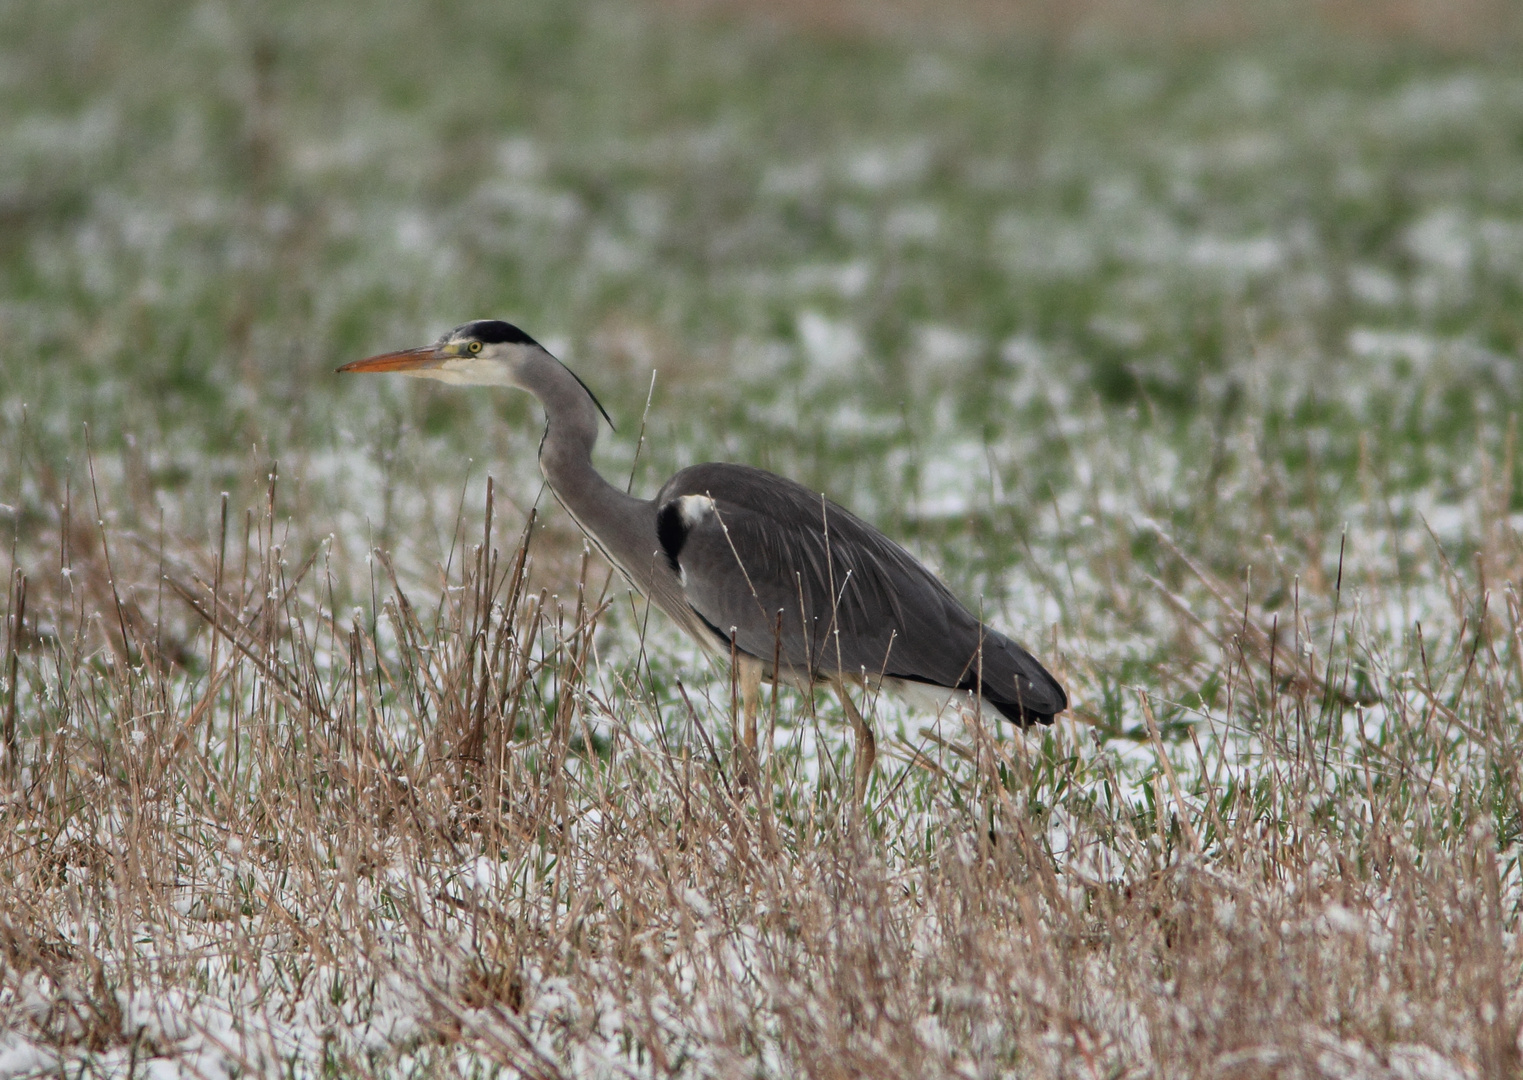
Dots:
pixel 748 672
pixel 867 745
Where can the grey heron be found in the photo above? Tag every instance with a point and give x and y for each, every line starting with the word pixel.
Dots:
pixel 752 565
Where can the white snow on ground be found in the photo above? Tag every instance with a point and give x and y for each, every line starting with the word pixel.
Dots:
pixel 191 1002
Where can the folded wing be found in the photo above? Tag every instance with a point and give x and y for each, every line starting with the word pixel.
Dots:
pixel 785 573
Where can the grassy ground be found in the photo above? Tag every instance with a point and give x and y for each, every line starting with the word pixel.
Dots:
pixel 328 749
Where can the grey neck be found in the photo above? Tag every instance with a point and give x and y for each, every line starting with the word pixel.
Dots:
pixel 623 526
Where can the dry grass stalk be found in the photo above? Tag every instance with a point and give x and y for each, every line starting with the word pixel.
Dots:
pixel 359 845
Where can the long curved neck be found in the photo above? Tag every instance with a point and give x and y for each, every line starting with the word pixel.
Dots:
pixel 623 526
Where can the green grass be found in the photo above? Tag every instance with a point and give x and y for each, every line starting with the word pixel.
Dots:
pixel 1196 369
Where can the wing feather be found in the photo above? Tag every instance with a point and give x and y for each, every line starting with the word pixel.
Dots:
pixel 787 572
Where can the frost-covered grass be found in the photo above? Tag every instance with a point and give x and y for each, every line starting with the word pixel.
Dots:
pixel 1196 370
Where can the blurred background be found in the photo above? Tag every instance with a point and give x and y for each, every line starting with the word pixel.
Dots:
pixel 1013 280
pixel 1182 338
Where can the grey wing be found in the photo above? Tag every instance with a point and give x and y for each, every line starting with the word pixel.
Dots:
pixel 787 574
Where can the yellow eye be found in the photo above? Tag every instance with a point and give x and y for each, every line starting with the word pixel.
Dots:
pixel 475 346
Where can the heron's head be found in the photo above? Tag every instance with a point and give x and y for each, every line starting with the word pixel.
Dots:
pixel 487 352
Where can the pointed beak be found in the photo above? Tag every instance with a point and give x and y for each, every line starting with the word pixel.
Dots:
pixel 407 360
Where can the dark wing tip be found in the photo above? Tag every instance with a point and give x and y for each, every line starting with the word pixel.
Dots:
pixel 1035 701
pixel 1025 716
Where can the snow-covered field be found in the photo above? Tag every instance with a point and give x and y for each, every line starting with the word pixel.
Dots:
pixel 329 749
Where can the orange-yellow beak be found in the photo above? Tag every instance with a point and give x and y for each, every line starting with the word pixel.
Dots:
pixel 426 356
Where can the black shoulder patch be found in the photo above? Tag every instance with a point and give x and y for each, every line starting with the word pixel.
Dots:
pixel 497 332
pixel 672 531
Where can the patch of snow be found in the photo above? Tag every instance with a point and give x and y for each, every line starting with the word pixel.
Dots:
pixel 940 345
pixel 880 168
pixel 848 280
pixel 1443 239
pixel 832 346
